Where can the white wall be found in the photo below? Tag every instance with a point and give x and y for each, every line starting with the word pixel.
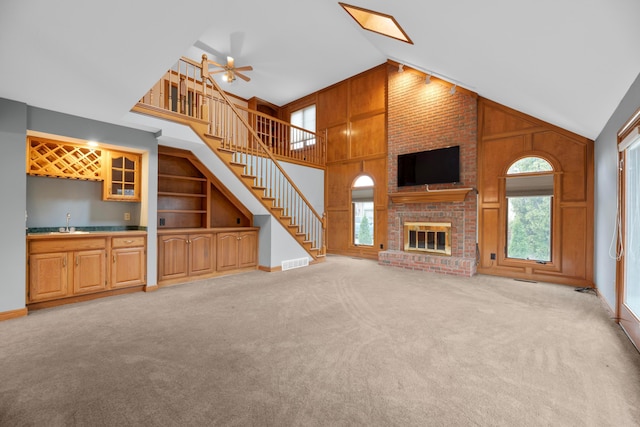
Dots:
pixel 13 133
pixel 606 155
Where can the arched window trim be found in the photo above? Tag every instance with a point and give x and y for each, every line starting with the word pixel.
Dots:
pixel 532 156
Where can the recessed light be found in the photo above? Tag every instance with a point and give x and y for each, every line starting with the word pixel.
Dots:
pixel 377 22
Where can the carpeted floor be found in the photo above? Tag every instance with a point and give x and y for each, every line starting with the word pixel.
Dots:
pixel 342 343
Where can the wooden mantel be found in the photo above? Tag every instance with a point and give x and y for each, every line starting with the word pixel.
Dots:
pixel 449 195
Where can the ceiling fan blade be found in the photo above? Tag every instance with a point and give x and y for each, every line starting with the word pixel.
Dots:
pixel 215 64
pixel 242 76
pixel 244 68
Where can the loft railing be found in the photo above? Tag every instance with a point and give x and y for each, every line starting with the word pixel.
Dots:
pixel 181 90
pixel 255 140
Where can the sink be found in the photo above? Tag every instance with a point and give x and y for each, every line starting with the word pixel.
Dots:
pixel 69 232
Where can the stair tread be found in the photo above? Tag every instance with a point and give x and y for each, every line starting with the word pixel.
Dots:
pixel 226 150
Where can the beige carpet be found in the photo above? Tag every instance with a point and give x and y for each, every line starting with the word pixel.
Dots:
pixel 342 343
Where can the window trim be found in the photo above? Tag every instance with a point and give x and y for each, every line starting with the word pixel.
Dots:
pixel 502 260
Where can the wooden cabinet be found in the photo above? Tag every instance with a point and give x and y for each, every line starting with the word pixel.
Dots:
pixel 76 266
pixel 237 249
pixel 122 178
pixel 63 267
pixel 182 256
pixel 89 271
pixel 128 261
pixel 47 276
pixel 185 255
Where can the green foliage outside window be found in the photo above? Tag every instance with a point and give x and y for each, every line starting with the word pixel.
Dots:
pixel 529 228
pixel 364 232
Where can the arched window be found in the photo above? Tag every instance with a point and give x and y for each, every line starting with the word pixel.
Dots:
pixel 529 191
pixel 362 193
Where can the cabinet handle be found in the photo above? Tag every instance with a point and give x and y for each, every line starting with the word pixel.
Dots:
pixel 77 260
pixel 128 241
pixel 114 258
pixel 64 262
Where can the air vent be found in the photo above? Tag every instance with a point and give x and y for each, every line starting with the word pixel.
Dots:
pixel 294 263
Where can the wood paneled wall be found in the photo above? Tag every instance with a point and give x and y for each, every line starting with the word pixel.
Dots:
pixel 353 113
pixel 505 135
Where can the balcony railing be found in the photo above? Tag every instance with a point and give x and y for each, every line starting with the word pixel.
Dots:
pixel 256 140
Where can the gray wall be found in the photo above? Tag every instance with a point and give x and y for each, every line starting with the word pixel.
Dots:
pixel 15 119
pixel 13 126
pixel 606 153
pixel 50 199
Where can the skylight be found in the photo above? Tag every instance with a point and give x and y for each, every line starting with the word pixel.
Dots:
pixel 377 22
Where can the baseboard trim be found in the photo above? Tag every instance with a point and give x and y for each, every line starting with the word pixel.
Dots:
pixel 12 314
pixel 151 288
pixel 269 269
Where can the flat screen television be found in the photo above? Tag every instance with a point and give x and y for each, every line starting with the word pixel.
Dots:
pixel 429 167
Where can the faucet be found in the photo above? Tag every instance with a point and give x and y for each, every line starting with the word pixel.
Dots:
pixel 68 219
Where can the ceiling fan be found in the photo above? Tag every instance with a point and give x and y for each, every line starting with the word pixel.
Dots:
pixel 230 70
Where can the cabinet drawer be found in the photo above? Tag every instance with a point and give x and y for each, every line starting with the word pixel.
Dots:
pixel 64 245
pixel 127 242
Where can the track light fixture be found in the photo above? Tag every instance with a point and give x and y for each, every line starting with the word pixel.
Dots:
pixel 453 89
pixel 400 68
pixel 427 80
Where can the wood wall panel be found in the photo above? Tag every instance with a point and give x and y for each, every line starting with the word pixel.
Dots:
pixel 490 219
pixel 332 106
pixel 337 143
pixel 574 242
pixel 339 222
pixel 495 155
pixel 504 136
pixel 496 121
pixel 353 113
pixel 368 136
pixel 573 156
pixel 368 92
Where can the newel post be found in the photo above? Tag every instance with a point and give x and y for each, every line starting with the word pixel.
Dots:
pixel 204 74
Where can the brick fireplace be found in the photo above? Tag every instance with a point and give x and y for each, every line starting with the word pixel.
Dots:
pixel 425 117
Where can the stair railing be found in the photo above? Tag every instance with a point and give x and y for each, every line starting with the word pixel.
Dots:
pixel 239 137
pixel 190 90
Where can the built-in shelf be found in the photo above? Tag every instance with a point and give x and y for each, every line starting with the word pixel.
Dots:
pixel 186 178
pixel 173 194
pixel 449 195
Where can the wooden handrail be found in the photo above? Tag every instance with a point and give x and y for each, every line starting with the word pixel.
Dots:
pixel 188 94
pixel 256 138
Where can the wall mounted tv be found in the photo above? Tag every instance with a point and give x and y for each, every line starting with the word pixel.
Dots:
pixel 429 167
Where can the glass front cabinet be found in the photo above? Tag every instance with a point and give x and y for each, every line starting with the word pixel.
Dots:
pixel 122 180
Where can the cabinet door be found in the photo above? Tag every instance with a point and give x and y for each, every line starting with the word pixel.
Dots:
pixel 128 267
pixel 122 181
pixel 48 276
pixel 89 271
pixel 247 249
pixel 173 256
pixel 201 257
pixel 227 251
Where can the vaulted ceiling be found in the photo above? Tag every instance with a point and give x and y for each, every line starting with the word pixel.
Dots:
pixel 568 62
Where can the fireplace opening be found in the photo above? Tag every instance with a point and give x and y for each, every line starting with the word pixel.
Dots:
pixel 430 237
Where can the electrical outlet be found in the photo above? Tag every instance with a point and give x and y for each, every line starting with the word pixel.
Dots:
pixel 493 256
pixel 162 222
pixel 127 216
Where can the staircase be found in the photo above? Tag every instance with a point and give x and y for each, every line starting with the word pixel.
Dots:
pixel 188 95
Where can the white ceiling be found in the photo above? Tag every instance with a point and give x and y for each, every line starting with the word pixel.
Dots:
pixel 568 62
